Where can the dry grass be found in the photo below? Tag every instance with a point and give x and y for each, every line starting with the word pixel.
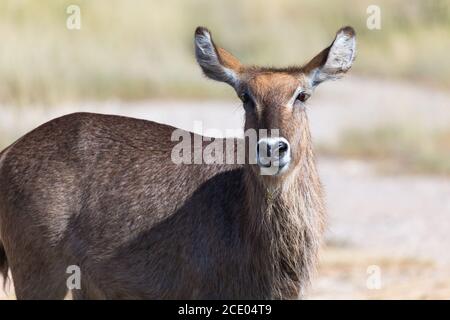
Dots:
pixel 144 49
pixel 397 149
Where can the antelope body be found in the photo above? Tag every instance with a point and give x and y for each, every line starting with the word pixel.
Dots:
pixel 101 192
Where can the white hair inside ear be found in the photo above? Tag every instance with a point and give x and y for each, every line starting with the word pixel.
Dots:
pixel 334 61
pixel 342 52
pixel 208 58
pixel 205 51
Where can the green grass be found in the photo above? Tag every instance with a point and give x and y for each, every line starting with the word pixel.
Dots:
pixel 399 149
pixel 143 49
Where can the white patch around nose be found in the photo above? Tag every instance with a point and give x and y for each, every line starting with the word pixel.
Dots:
pixel 268 156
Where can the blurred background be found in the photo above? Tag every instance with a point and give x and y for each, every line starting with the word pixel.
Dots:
pixel 382 134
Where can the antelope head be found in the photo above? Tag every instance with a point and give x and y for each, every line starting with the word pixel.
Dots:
pixel 275 98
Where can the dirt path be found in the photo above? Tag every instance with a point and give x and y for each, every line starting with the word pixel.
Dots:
pixel 399 224
pixel 398 215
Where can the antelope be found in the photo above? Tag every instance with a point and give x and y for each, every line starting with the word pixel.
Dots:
pixel 100 192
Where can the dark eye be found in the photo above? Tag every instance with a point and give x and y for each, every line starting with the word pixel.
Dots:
pixel 247 101
pixel 302 97
pixel 244 97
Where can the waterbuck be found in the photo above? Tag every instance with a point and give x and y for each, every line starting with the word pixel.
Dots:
pixel 102 193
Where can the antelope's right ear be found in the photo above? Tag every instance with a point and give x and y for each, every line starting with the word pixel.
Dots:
pixel 216 63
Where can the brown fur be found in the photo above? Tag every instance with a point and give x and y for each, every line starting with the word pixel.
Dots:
pixel 102 193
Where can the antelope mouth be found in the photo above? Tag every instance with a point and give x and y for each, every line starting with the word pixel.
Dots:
pixel 274 168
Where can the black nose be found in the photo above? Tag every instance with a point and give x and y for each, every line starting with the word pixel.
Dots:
pixel 282 148
pixel 272 148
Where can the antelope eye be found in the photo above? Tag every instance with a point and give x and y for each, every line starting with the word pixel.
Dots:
pixel 302 97
pixel 244 97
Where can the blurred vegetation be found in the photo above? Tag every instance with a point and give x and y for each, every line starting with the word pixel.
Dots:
pixel 142 49
pixel 399 149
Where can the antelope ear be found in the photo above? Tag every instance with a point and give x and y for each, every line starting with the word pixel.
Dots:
pixel 216 63
pixel 334 61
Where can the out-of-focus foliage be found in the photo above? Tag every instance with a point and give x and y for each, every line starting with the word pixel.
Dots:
pixel 142 49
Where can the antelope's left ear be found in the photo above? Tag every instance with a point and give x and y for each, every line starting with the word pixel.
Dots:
pixel 334 61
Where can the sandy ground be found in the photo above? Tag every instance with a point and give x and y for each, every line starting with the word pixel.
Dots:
pixel 400 215
pixel 399 224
